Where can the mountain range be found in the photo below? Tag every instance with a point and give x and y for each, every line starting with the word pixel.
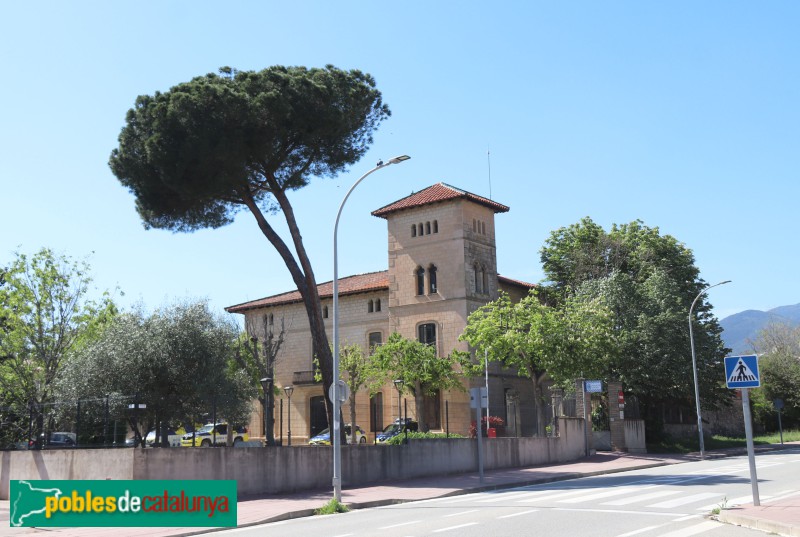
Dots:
pixel 741 329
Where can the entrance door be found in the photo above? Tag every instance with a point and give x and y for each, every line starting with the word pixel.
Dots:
pixel 318 415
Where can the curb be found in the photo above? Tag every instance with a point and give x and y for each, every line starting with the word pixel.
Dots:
pixel 732 517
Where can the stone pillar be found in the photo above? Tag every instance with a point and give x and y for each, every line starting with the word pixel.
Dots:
pixel 616 415
pixel 557 403
pixel 583 409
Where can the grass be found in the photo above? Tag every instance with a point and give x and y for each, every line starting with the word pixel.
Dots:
pixel 331 508
pixel 688 445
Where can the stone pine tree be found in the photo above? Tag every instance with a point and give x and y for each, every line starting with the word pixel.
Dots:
pixel 195 155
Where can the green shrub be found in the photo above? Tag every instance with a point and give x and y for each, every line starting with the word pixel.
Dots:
pixel 416 435
pixel 331 508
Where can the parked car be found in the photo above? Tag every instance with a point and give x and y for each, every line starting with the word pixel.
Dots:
pixel 61 440
pixel 324 437
pixel 173 437
pixel 395 428
pixel 205 436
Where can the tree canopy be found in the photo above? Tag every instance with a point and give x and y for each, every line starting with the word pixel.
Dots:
pixel 421 370
pixel 179 361
pixel 195 155
pixel 46 312
pixel 648 281
pixel 541 342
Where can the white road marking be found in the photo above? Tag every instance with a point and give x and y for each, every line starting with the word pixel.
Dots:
pixel 643 497
pixel 513 496
pixel 686 500
pixel 637 532
pixel 693 530
pixel 460 513
pixel 398 525
pixel 605 494
pixel 455 527
pixel 519 514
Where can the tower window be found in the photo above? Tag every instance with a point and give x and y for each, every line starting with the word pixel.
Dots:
pixel 421 229
pixel 375 340
pixel 413 230
pixel 436 226
pixel 378 304
pixel 370 307
pixel 474 226
pixel 324 312
pixel 432 279
pixel 483 228
pixel 420 275
pixel 427 228
pixel 478 280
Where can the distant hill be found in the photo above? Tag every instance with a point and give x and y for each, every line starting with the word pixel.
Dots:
pixel 742 328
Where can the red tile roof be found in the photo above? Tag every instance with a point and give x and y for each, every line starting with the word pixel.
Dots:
pixel 350 285
pixel 437 193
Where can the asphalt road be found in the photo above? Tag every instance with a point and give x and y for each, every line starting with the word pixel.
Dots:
pixel 670 501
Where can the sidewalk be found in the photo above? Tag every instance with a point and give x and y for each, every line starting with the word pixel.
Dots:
pixel 256 510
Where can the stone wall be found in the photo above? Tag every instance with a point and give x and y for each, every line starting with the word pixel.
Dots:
pixel 285 470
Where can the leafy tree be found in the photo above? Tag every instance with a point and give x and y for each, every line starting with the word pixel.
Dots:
pixel 779 365
pixel 259 362
pixel 177 361
pixel 648 281
pixel 195 155
pixel 422 372
pixel 540 341
pixel 45 314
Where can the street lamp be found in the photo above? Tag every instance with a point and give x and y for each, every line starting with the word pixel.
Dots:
pixel 288 391
pixel 694 367
pixel 266 385
pixel 337 442
pixel 399 385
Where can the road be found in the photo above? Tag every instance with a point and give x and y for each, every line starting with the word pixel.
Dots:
pixel 669 501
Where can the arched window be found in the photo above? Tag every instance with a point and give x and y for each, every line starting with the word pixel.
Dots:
pixel 271 319
pixel 370 307
pixel 324 312
pixel 436 226
pixel 474 226
pixel 427 228
pixel 432 279
pixel 420 276
pixel 378 304
pixel 485 280
pixel 413 230
pixel 421 229
pixel 478 279
pixel 483 228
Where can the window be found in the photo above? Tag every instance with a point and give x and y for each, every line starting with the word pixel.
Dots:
pixel 324 312
pixel 436 226
pixel 483 228
pixel 427 228
pixel 420 275
pixel 370 307
pixel 271 320
pixel 484 280
pixel 474 226
pixel 378 304
pixel 427 333
pixel 421 229
pixel 413 230
pixel 478 280
pixel 376 413
pixel 375 340
pixel 432 279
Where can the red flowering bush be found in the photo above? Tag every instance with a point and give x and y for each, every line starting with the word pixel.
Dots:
pixel 494 423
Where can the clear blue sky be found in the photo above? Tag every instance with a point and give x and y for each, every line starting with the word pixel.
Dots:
pixel 682 114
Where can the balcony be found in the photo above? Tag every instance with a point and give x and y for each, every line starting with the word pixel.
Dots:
pixel 303 377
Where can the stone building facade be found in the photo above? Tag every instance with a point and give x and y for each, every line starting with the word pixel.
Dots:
pixel 442 265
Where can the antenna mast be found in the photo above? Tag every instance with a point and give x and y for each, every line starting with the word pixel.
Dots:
pixel 489 162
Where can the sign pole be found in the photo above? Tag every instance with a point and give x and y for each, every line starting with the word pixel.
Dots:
pixel 748 432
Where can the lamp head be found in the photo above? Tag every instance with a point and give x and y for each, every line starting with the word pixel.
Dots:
pixel 288 390
pixel 397 160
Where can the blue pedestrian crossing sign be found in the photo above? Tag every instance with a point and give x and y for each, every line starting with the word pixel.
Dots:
pixel 742 372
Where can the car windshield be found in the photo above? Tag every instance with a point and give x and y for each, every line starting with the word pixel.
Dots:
pixel 392 428
pixel 324 432
pixel 206 429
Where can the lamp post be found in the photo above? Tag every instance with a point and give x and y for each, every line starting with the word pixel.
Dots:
pixel 335 435
pixel 288 391
pixel 266 385
pixel 399 385
pixel 694 367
